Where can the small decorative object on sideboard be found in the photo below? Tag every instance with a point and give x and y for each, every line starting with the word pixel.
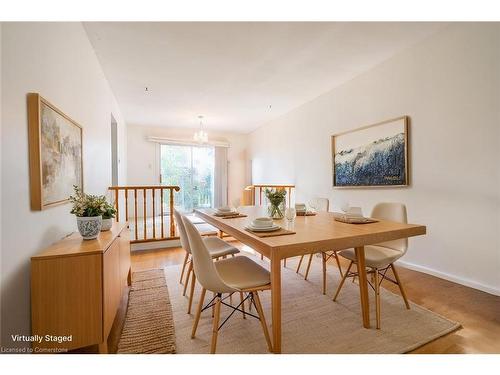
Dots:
pixel 108 216
pixel 276 207
pixel 88 210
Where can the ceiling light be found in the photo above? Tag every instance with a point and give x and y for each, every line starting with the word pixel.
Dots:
pixel 201 136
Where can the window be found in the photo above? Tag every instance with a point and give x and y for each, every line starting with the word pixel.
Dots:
pixel 191 168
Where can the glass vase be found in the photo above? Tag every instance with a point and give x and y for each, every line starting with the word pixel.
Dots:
pixel 276 210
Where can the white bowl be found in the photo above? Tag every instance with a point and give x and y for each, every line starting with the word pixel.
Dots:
pixel 224 209
pixel 262 222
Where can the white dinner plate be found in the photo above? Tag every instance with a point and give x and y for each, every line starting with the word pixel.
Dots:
pixel 263 229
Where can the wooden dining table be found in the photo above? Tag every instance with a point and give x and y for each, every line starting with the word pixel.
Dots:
pixel 313 234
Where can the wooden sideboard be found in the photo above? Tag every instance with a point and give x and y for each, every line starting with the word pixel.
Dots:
pixel 76 289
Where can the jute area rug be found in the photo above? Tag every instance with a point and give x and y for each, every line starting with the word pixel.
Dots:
pixel 148 326
pixel 311 321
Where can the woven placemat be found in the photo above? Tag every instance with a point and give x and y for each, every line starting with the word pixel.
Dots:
pixel 233 216
pixel 279 232
pixel 306 213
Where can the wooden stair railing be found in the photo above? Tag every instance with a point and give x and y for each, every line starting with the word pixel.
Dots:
pixel 260 188
pixel 151 196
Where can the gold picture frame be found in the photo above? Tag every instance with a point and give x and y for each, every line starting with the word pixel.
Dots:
pixel 55 153
pixel 375 155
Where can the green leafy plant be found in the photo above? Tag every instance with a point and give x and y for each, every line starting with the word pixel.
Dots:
pixel 109 211
pixel 276 198
pixel 87 205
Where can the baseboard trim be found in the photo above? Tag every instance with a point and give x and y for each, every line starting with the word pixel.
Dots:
pixel 456 279
pixel 154 245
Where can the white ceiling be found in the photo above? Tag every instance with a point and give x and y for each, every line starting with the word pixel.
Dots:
pixel 238 75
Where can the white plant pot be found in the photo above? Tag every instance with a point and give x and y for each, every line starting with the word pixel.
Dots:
pixel 106 224
pixel 89 227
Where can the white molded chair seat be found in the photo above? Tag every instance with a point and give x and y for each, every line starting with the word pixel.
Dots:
pixel 381 256
pixel 218 248
pixel 375 256
pixel 242 273
pixel 238 274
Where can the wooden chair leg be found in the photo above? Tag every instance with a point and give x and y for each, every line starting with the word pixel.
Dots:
pixel 323 258
pixel 191 292
pixel 284 262
pixel 308 266
pixel 184 266
pixel 258 306
pixel 338 264
pixel 190 269
pixel 215 325
pixel 242 306
pixel 342 281
pixel 376 282
pixel 403 294
pixel 261 257
pixel 198 312
pixel 300 262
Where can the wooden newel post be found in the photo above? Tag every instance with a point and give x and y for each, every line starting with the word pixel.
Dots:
pixel 171 204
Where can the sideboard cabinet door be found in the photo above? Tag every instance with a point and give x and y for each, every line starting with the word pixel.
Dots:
pixel 125 258
pixel 112 284
pixel 66 299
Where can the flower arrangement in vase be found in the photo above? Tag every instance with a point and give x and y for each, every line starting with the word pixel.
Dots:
pixel 276 198
pixel 88 210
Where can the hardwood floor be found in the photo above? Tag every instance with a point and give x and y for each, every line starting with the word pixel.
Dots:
pixel 478 312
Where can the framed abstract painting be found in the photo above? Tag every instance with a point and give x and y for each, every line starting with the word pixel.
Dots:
pixel 372 156
pixel 55 153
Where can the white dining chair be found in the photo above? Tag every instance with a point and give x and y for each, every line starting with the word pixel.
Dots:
pixel 380 257
pixel 226 276
pixel 216 247
pixel 321 204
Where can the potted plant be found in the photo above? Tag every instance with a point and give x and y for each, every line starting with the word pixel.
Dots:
pixel 108 216
pixel 88 210
pixel 276 207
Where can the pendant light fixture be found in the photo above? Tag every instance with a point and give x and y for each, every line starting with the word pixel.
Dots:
pixel 201 136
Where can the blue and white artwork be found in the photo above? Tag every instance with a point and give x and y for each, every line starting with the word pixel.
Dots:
pixel 372 156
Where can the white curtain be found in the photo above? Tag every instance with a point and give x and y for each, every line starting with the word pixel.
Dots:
pixel 220 177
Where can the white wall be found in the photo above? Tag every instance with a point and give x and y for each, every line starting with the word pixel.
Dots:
pixel 57 61
pixel 449 85
pixel 143 155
